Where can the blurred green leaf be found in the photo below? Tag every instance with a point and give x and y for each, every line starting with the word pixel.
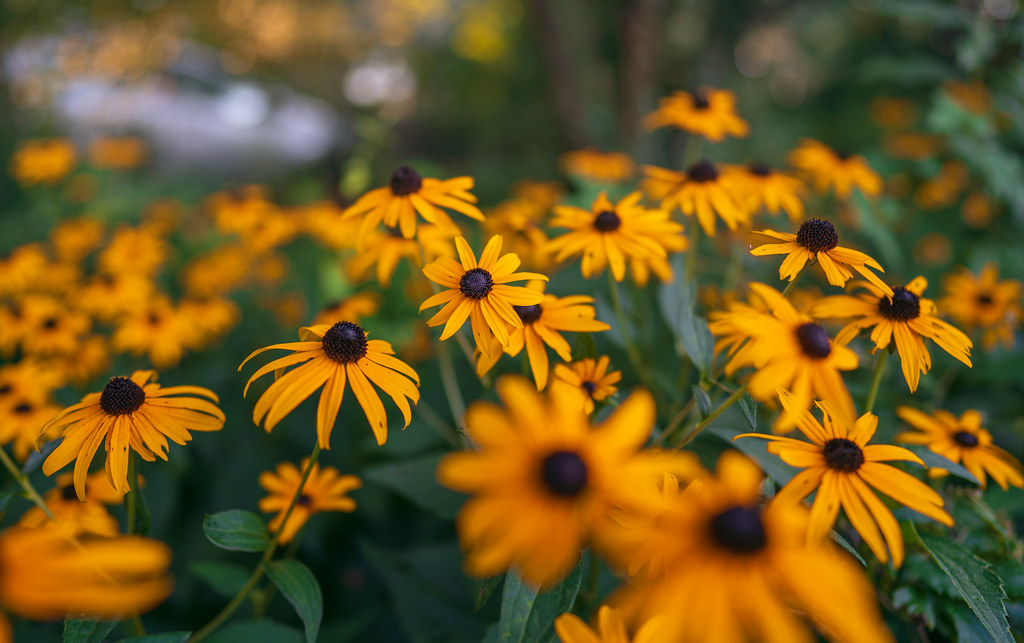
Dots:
pixel 262 631
pixel 236 530
pixel 224 578
pixel 164 637
pixel 414 480
pixel 483 590
pixel 86 631
pixel 845 544
pixel 749 409
pixel 933 459
pixel 584 347
pixel 756 449
pixel 702 399
pixel 528 616
pixel 677 301
pixel 300 587
pixel 974 580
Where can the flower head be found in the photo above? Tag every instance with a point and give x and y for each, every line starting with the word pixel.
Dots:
pixel 708 112
pixel 353 308
pixel 74 515
pixel 984 302
pixel 962 440
pixel 906 317
pixel 702 190
pixel 598 166
pixel 768 188
pixel 331 356
pixel 131 413
pixel 588 379
pixel 846 470
pixel 610 629
pixel 828 168
pixel 42 161
pixel 381 250
pixel 325 490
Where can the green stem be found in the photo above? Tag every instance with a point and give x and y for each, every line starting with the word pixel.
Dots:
pixel 427 413
pixel 268 554
pixel 131 499
pixel 876 380
pixel 700 426
pixel 675 422
pixel 24 483
pixel 450 384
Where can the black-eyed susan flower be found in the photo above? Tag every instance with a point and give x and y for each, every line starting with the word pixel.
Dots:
pixel 45 574
pixel 732 569
pixel 325 490
pixel 322 220
pixel 984 302
pixel 118 153
pixel 702 191
pixel 840 171
pixel 788 350
pixel 542 324
pixel 589 379
pixel 44 161
pixel 157 330
pixel 962 440
pixel 134 250
pixel 352 308
pixel 409 193
pixel 611 628
pixel 600 167
pixel 614 234
pixel 708 112
pixel 205 319
pixel 521 224
pixel 543 479
pixel 74 515
pixel 53 328
pixel 216 272
pixel 906 318
pixel 74 239
pixel 21 419
pixel 240 211
pixel 845 470
pixel 21 270
pixel 479 291
pixel 130 414
pixel 331 357
pixel 817 240
pixel 768 188
pixel 380 250
pixel 109 296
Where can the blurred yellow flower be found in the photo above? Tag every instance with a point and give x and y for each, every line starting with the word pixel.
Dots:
pixel 700 190
pixel 589 379
pixel 118 153
pixel 840 171
pixel 325 490
pixel 601 167
pixel 983 302
pixel 44 161
pixel 709 112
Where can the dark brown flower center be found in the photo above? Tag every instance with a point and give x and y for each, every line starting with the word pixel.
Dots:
pixel 817 235
pixel 843 155
pixel 904 306
pixel 23 409
pixel 5 389
pixel 528 314
pixel 760 169
pixel 50 323
pixel 405 181
pixel 985 299
pixel 344 342
pixel 702 172
pixel 589 387
pixel 813 340
pixel 68 493
pixel 121 396
pixel 564 473
pixel 304 500
pixel 154 319
pixel 700 101
pixel 843 455
pixel 965 439
pixel 476 283
pixel 607 221
pixel 739 530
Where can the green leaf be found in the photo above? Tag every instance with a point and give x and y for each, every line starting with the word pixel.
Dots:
pixel 225 578
pixel 749 408
pixel 584 347
pixel 299 586
pixel 528 616
pixel 256 632
pixel 164 637
pixel 935 460
pixel 703 401
pixel 482 590
pixel 678 305
pixel 86 631
pixel 236 530
pixel 974 580
pixel 756 449
pixel 414 479
pixel 842 542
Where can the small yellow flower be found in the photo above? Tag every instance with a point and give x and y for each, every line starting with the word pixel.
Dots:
pixel 768 188
pixel 324 490
pixel 700 190
pixel 838 170
pixel 380 250
pixel 984 302
pixel 74 515
pixel 42 161
pixel 708 112
pixel 353 308
pixel 124 153
pixel 589 379
pixel 600 167
pixel 610 629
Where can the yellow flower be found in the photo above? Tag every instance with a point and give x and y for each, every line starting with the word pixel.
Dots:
pixel 839 170
pixel 612 234
pixel 323 222
pixel 709 112
pixel 22 269
pixel 74 515
pixel 204 319
pixel 122 153
pixel 21 419
pixel 589 379
pixel 906 317
pixel 130 414
pixel 133 250
pixel 407 194
pixel 963 441
pixel 241 211
pixel 817 240
pixel 90 360
pixel 45 575
pixel 768 188
pixel 700 190
pixel 788 350
pixel 74 239
pixel 600 167
pixel 331 356
pixel 54 329
pixel 610 629
pixel 354 308
pixel 984 302
pixel 216 272
pixel 544 479
pixel 521 224
pixel 42 161
pixel 735 570
pixel 479 292
pixel 107 297
pixel 846 470
pixel 381 250
pixel 157 330
pixel 324 490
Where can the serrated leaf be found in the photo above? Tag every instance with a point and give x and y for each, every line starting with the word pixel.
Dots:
pixel 749 408
pixel 300 587
pixel 414 480
pixel 935 460
pixel 528 616
pixel 262 631
pixel 86 631
pixel 482 590
pixel 703 401
pixel 236 530
pixel 224 578
pixel 165 637
pixel 974 579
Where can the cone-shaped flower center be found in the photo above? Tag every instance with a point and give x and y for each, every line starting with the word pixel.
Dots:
pixel 843 455
pixel 607 221
pixel 813 340
pixel 68 493
pixel 965 439
pixel 817 235
pixel 904 306
pixel 344 342
pixel 405 181
pixel 700 101
pixel 304 500
pixel 984 299
pixel 121 396
pixel 564 473
pixel 760 169
pixel 476 283
pixel 843 155
pixel 589 387
pixel 528 314
pixel 740 530
pixel 702 172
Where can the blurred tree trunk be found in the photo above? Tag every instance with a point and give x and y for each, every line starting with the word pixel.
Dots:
pixel 641 26
pixel 562 77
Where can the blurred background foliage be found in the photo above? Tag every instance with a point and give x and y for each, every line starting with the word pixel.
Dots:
pixel 323 99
